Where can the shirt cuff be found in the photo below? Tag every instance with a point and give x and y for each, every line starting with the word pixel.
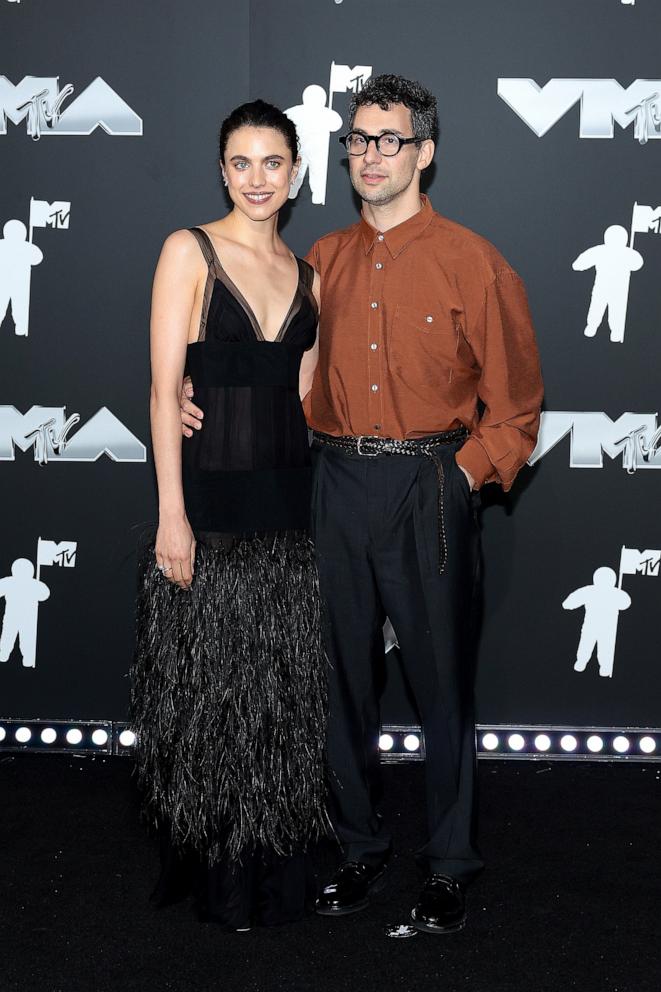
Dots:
pixel 475 460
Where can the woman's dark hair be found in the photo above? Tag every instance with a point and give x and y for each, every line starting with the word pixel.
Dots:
pixel 258 113
pixel 388 89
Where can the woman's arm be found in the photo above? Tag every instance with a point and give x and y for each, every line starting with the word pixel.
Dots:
pixel 178 274
pixel 311 357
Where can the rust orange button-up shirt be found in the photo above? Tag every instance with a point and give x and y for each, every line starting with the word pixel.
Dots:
pixel 417 325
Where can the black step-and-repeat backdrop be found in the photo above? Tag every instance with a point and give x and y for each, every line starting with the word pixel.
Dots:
pixel 550 125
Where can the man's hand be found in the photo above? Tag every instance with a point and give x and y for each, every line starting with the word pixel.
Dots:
pixel 191 415
pixel 471 480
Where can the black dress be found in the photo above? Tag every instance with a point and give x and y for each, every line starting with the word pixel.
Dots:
pixel 229 679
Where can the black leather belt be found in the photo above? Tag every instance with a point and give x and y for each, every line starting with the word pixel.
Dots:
pixel 369 446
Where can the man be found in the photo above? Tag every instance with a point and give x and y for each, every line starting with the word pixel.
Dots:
pixel 421 320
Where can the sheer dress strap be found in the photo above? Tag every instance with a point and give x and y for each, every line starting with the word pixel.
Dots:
pixel 206 247
pixel 307 273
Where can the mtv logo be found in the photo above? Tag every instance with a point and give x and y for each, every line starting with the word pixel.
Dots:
pixel 55 214
pixel 635 562
pixel 344 78
pixel 634 436
pixel 47 432
pixel 645 219
pixel 39 101
pixel 602 102
pixel 61 553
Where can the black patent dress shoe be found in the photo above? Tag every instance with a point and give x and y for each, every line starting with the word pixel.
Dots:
pixel 350 888
pixel 441 907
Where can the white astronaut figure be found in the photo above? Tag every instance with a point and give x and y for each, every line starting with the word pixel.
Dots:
pixel 22 593
pixel 314 122
pixel 603 602
pixel 17 256
pixel 613 262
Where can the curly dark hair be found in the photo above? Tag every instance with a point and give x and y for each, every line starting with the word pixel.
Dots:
pixel 258 113
pixel 387 89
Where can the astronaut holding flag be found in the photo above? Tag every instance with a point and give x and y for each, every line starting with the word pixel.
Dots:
pixel 22 592
pixel 18 255
pixel 603 602
pixel 315 122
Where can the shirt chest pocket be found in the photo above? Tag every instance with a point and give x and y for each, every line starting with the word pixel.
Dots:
pixel 423 343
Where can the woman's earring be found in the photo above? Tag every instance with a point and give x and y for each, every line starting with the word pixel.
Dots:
pixel 224 180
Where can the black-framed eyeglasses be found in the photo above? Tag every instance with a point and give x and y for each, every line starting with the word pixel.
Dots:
pixel 387 143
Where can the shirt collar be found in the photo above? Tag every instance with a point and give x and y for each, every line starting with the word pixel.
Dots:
pixel 397 238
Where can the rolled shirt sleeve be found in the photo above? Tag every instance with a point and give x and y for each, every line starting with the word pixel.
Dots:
pixel 502 339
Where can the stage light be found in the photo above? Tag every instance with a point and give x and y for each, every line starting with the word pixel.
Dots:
pixel 621 744
pixel 100 737
pixel 23 735
pixel 595 743
pixel 411 742
pixel 568 742
pixel 127 738
pixel 74 736
pixel 386 742
pixel 3 733
pixel 647 745
pixel 516 742
pixel 48 735
pixel 542 742
pixel 490 742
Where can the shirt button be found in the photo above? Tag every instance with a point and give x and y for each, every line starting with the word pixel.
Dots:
pixel 374 346
pixel 429 319
pixel 375 388
pixel 377 427
pixel 379 237
pixel 374 305
pixel 379 265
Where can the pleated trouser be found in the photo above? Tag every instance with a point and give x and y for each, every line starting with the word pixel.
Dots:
pixel 375 524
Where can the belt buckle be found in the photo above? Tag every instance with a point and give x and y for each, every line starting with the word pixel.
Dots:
pixel 366 454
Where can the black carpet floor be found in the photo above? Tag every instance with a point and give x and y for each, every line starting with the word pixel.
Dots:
pixel 570 899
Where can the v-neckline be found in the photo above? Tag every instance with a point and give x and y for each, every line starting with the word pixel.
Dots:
pixel 243 303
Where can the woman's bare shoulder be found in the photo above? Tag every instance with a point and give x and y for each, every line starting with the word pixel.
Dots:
pixel 181 252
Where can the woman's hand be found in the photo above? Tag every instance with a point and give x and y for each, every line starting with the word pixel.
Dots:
pixel 175 550
pixel 191 415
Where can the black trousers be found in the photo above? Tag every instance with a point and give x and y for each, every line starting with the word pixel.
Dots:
pixel 376 531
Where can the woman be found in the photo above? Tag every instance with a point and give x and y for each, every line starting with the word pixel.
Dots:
pixel 228 692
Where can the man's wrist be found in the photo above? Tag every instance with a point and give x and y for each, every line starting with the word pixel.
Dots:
pixel 469 477
pixel 473 459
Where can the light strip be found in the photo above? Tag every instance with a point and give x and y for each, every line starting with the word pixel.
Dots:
pixel 397 742
pixel 57 736
pixel 568 743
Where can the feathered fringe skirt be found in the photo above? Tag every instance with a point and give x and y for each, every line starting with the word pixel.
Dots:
pixel 228 698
